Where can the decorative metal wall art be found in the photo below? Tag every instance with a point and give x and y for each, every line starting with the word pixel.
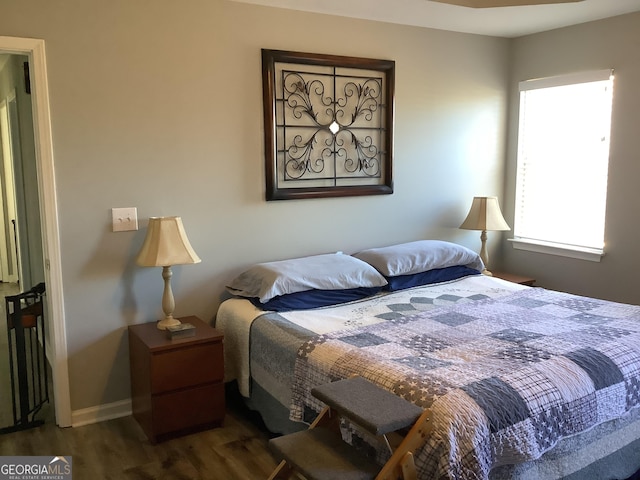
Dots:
pixel 328 124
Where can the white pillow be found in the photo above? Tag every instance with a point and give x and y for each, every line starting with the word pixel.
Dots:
pixel 332 271
pixel 419 256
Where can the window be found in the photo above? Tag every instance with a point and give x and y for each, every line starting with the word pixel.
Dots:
pixel 563 158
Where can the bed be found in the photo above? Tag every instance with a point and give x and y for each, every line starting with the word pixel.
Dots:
pixel 521 382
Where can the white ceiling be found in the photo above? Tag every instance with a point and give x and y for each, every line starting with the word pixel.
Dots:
pixel 500 22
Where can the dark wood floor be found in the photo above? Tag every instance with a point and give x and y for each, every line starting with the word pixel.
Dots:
pixel 118 449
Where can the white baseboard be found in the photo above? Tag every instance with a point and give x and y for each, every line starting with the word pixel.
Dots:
pixel 100 413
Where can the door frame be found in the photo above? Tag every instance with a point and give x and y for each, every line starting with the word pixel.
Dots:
pixel 34 49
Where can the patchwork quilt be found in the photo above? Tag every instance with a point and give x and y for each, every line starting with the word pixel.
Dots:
pixel 505 378
pixel 274 339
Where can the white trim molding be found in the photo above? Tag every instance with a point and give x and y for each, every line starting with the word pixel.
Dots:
pixel 580 253
pixel 100 413
pixel 34 49
pixel 567 79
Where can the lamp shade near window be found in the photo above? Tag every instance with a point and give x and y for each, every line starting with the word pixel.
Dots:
pixel 166 244
pixel 484 215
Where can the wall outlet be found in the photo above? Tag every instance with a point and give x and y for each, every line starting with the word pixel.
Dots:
pixel 124 219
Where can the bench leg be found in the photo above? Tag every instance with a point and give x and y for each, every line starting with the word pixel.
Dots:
pixel 401 464
pixel 282 472
pixel 408 467
pixel 327 419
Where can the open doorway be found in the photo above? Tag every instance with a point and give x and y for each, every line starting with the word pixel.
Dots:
pixel 9 143
pixel 21 245
pixel 21 258
pixel 38 235
pixel 12 137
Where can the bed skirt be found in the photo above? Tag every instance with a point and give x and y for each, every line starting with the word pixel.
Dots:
pixel 609 451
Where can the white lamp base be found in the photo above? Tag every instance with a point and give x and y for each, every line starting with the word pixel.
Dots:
pixel 484 254
pixel 168 304
pixel 168 322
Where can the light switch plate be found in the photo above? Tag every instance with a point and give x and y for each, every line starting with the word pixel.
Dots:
pixel 124 219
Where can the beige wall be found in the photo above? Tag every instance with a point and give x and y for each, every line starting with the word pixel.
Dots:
pixel 612 43
pixel 157 105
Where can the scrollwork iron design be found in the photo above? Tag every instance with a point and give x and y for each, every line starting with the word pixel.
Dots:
pixel 304 95
pixel 328 125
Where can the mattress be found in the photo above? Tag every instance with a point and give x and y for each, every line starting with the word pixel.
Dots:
pixel 272 355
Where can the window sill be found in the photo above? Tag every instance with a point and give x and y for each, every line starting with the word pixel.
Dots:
pixel 593 255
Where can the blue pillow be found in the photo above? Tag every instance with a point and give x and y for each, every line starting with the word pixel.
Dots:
pixel 319 272
pixel 437 275
pixel 309 299
pixel 419 256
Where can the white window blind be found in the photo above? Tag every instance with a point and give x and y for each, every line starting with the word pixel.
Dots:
pixel 563 157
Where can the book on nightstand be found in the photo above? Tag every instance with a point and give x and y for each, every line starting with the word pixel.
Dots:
pixel 181 331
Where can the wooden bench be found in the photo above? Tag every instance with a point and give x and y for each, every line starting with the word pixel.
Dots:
pixel 319 453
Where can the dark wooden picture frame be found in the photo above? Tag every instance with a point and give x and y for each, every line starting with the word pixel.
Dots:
pixel 328 125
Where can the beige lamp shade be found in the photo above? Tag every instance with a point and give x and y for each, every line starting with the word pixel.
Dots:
pixel 485 214
pixel 166 244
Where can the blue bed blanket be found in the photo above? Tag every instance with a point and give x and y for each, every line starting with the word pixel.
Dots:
pixel 505 378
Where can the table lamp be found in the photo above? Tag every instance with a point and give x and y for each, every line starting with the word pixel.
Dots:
pixel 484 215
pixel 166 244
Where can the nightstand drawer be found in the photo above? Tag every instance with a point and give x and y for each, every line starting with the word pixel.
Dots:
pixel 176 384
pixel 194 407
pixel 186 367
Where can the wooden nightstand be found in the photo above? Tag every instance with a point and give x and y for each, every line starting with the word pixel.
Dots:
pixel 176 385
pixel 515 278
